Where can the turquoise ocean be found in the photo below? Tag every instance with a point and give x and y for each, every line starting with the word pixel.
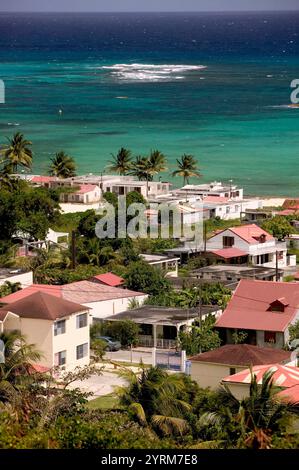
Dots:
pixel 215 86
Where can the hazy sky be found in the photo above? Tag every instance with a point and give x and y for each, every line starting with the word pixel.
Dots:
pixel 147 5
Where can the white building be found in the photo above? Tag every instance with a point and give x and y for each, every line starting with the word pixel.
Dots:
pixel 85 194
pixel 250 240
pixel 102 300
pixel 215 188
pixel 58 328
pixel 166 263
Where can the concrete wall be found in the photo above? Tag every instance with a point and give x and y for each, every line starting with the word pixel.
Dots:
pixel 239 391
pixel 69 341
pixel 37 332
pixel 210 375
pixel 111 307
pixel 25 279
pixel 280 341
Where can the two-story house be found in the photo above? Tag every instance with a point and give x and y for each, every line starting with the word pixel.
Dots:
pixel 264 310
pixel 58 328
pixel 250 244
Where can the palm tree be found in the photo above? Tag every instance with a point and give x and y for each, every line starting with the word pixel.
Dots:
pixel 15 370
pixel 122 162
pixel 153 398
pixel 187 168
pixel 62 166
pixel 157 162
pixel 256 418
pixel 16 153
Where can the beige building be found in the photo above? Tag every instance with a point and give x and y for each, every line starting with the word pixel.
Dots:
pixel 58 328
pixel 210 368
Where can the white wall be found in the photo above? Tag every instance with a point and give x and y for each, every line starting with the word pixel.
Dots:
pixel 210 375
pixel 216 242
pixel 69 341
pixel 111 307
pixel 25 279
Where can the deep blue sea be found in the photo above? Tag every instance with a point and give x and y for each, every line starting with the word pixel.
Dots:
pixel 213 85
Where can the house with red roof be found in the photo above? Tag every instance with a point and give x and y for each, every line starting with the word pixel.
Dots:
pixel 251 244
pixel 58 328
pixel 264 310
pixel 209 368
pixel 102 300
pixel 85 194
pixel 284 377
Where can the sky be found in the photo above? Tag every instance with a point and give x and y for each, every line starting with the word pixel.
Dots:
pixel 147 5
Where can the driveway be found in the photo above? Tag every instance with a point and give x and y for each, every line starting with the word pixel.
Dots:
pixel 100 385
pixel 138 355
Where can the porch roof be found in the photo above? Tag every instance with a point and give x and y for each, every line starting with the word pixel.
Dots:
pixel 151 315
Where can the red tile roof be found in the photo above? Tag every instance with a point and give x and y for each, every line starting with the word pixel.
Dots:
pixel 242 355
pixel 250 233
pixel 215 199
pixel 284 376
pixel 44 306
pixel 249 306
pixel 109 279
pixel 229 253
pixel 86 188
pixel 290 394
pixel 81 292
pixel 42 179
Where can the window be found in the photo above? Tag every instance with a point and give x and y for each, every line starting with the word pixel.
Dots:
pixel 270 337
pixel 228 241
pixel 81 320
pixel 60 358
pixel 232 370
pixel 82 351
pixel 59 327
pixel 227 209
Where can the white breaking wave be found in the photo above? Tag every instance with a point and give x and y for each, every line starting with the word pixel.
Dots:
pixel 151 72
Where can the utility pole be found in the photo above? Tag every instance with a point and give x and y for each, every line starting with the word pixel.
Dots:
pixel 205 236
pixel 276 267
pixel 200 317
pixel 73 249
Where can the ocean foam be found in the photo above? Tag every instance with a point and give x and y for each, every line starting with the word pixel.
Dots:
pixel 150 72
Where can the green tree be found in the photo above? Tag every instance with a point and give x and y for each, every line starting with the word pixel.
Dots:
pixel 15 370
pixel 142 277
pixel 294 331
pixel 62 166
pixel 9 288
pixel 125 331
pixel 255 420
pixel 278 226
pixel 157 162
pixel 121 162
pixel 201 337
pixel 155 398
pixel 187 168
pixel 17 153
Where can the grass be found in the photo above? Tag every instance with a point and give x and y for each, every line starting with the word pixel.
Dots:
pixel 106 402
